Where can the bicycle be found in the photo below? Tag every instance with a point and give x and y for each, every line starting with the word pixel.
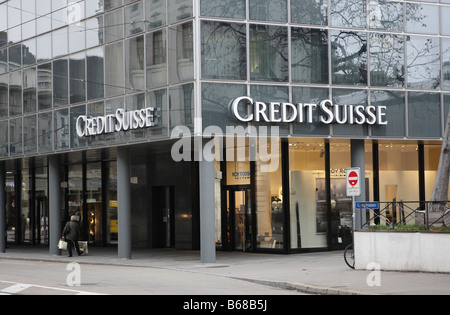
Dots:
pixel 349 256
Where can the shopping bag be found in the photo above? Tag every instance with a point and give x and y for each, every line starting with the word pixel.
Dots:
pixel 62 245
pixel 83 247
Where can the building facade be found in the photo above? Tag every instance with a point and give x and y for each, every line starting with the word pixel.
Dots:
pixel 95 96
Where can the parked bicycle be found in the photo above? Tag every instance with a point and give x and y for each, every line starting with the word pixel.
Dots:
pixel 349 256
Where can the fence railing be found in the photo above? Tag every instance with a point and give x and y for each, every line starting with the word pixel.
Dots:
pixel 392 214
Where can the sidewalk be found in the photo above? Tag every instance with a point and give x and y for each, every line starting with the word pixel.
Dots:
pixel 316 273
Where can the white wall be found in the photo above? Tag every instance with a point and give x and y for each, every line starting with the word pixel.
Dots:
pixel 425 252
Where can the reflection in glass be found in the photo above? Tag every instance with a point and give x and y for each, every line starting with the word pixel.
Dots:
pixel 4 141
pixel 395 104
pixel 60 42
pixel 268 10
pixel 45 132
pixel 181 55
pixel 349 57
pixel 114 75
pixel 94 32
pixel 387 60
pixel 29 90
pixel 44 47
pixel 15 93
pixel 30 134
pixel 15 136
pixel 134 16
pixel 215 100
pixel 95 73
pixel 44 86
pixel 77 78
pixel 224 51
pixel 348 13
pixel 349 97
pixel 155 13
pixel 156 59
pixel 312 12
pixel 179 10
pixel 446 63
pixel 134 64
pixel 60 83
pixel 422 18
pixel 75 141
pixel 181 106
pixel 309 55
pixel 386 15
pixel 423 55
pixel 424 114
pixel 4 79
pixel 311 95
pixel 445 28
pixel 158 100
pixel 223 8
pixel 61 128
pixel 114 26
pixel 268 53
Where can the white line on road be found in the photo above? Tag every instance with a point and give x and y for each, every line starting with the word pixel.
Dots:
pixel 19 287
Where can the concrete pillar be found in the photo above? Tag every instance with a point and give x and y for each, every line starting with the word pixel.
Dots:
pixel 124 202
pixel 359 160
pixel 2 208
pixel 54 198
pixel 207 213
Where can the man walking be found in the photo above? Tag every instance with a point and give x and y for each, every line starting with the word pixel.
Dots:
pixel 71 234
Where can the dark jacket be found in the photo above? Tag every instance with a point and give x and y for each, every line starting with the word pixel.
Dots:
pixel 72 231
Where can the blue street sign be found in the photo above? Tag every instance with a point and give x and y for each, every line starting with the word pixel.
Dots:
pixel 367 205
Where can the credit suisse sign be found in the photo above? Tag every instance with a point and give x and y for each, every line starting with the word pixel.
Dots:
pixel 329 113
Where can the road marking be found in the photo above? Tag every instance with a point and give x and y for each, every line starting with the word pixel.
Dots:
pixel 19 287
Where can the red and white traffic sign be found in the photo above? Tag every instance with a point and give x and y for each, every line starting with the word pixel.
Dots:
pixel 353 182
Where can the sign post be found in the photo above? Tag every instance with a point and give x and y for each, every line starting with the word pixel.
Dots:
pixel 353 181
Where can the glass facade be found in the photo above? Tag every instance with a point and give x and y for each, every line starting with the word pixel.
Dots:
pixel 189 59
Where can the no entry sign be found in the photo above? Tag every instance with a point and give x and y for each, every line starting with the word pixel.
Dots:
pixel 353 177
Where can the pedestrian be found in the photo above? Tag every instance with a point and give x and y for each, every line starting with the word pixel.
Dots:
pixel 71 234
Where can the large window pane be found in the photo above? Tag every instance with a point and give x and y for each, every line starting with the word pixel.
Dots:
pixel 307 176
pixel 15 93
pixel 60 83
pixel 446 63
pixel 395 103
pixel 95 73
pixel 114 26
pixel 223 8
pixel 181 54
pixel 77 68
pixel 179 10
pixel 134 15
pixel 29 90
pixel 268 53
pixel 268 10
pixel 424 111
pixel 114 69
pixel 422 18
pixel 61 129
pixel 349 57
pixel 155 13
pixel 312 12
pixel 134 64
pixel 15 136
pixel 307 95
pixel 181 106
pixel 158 100
pixel 348 13
pixel 30 134
pixel 4 142
pixel 423 62
pixel 387 60
pixel 349 97
pixel 224 51
pixel 45 132
pixel 75 141
pixel 309 55
pixel 44 81
pixel 386 15
pixel 4 79
pixel 156 59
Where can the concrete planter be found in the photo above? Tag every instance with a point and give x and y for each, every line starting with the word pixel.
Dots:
pixel 403 251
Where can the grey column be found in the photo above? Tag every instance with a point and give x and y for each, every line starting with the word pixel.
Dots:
pixel 54 197
pixel 124 202
pixel 359 160
pixel 207 213
pixel 2 208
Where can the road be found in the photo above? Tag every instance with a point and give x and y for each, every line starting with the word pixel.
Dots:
pixel 19 277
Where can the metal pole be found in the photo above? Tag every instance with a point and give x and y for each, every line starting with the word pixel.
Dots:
pixel 2 208
pixel 54 195
pixel 124 202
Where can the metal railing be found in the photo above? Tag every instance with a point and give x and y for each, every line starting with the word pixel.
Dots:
pixel 416 213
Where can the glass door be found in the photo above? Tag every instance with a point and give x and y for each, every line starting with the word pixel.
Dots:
pixel 240 219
